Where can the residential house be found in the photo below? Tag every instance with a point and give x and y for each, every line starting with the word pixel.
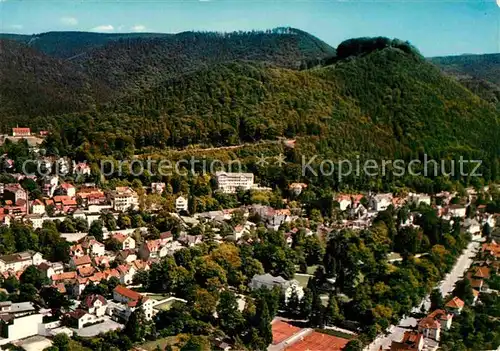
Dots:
pixel 19 261
pixel 158 188
pixel 431 326
pixel 76 250
pixel 268 281
pixel 78 262
pixel 93 247
pixel 91 196
pixel 14 192
pixel 36 220
pixel 181 204
pixel 127 273
pixel 457 211
pixel 297 188
pixel 51 268
pixel 37 207
pixel 67 189
pixel 151 249
pixel 380 202
pixel 94 304
pixel 80 318
pixel 411 342
pixel 81 168
pixel 418 199
pixel 190 240
pixel 124 198
pixel 127 256
pixel 129 300
pixel 455 306
pixel 344 201
pixel 477 275
pixel 21 132
pixel 127 242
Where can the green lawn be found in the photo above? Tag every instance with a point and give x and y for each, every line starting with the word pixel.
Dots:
pixel 302 280
pixel 158 297
pixel 163 342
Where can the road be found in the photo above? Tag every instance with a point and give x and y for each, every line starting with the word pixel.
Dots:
pixel 446 286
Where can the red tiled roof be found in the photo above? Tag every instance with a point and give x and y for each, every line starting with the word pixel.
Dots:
pixel 120 237
pixel 89 300
pixel 282 331
pixel 64 276
pixel 455 303
pixel 78 261
pixel 129 294
pixel 318 341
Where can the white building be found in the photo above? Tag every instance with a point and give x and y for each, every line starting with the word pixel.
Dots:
pixel 181 204
pixel 124 198
pixel 268 281
pixel 37 207
pixel 229 183
pixel 128 300
pixel 457 211
pixel 18 320
pixel 418 199
pixel 381 202
pixel 19 261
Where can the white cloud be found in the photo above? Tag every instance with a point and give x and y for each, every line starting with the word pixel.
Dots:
pixel 16 26
pixel 103 28
pixel 138 28
pixel 69 21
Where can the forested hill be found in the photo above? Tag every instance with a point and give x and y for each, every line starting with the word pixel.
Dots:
pixel 60 72
pixel 479 73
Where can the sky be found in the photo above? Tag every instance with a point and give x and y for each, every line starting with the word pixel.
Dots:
pixel 436 27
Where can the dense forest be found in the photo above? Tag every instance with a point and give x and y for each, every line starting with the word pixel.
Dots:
pixel 374 97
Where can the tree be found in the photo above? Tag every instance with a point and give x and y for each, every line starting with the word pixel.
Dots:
pixel 32 275
pixel 61 341
pixel 96 230
pixel 136 324
pixel 353 345
pixel 230 318
pixel 293 303
pixel 332 313
pixel 486 230
pixel 306 303
pixel 437 300
pixel 317 311
pixel 196 343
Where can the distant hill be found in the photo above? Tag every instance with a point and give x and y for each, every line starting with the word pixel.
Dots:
pixel 479 73
pixel 108 66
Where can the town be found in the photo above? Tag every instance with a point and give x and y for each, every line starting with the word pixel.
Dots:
pixel 135 265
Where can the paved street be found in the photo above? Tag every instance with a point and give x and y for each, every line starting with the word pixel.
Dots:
pixel 446 286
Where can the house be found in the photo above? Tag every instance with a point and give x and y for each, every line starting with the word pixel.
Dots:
pixel 380 202
pixel 411 341
pixel 124 198
pixel 126 273
pixel 491 249
pixel 21 132
pixel 19 261
pixel 81 168
pixel 477 275
pixel 431 326
pixel 152 249
pixel 93 247
pixel 418 199
pixel 344 201
pixel 457 211
pixel 269 282
pixel 181 204
pixel 14 192
pixel 51 268
pixel 158 188
pixel 127 242
pixel 127 256
pixel 129 300
pixel 455 306
pixel 76 250
pixel 37 207
pixel 78 262
pixel 91 196
pixel 63 278
pixel 18 320
pixel 296 188
pixel 230 183
pixel 80 318
pixel 190 240
pixel 473 227
pixel 67 189
pixel 94 304
pixel 36 220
